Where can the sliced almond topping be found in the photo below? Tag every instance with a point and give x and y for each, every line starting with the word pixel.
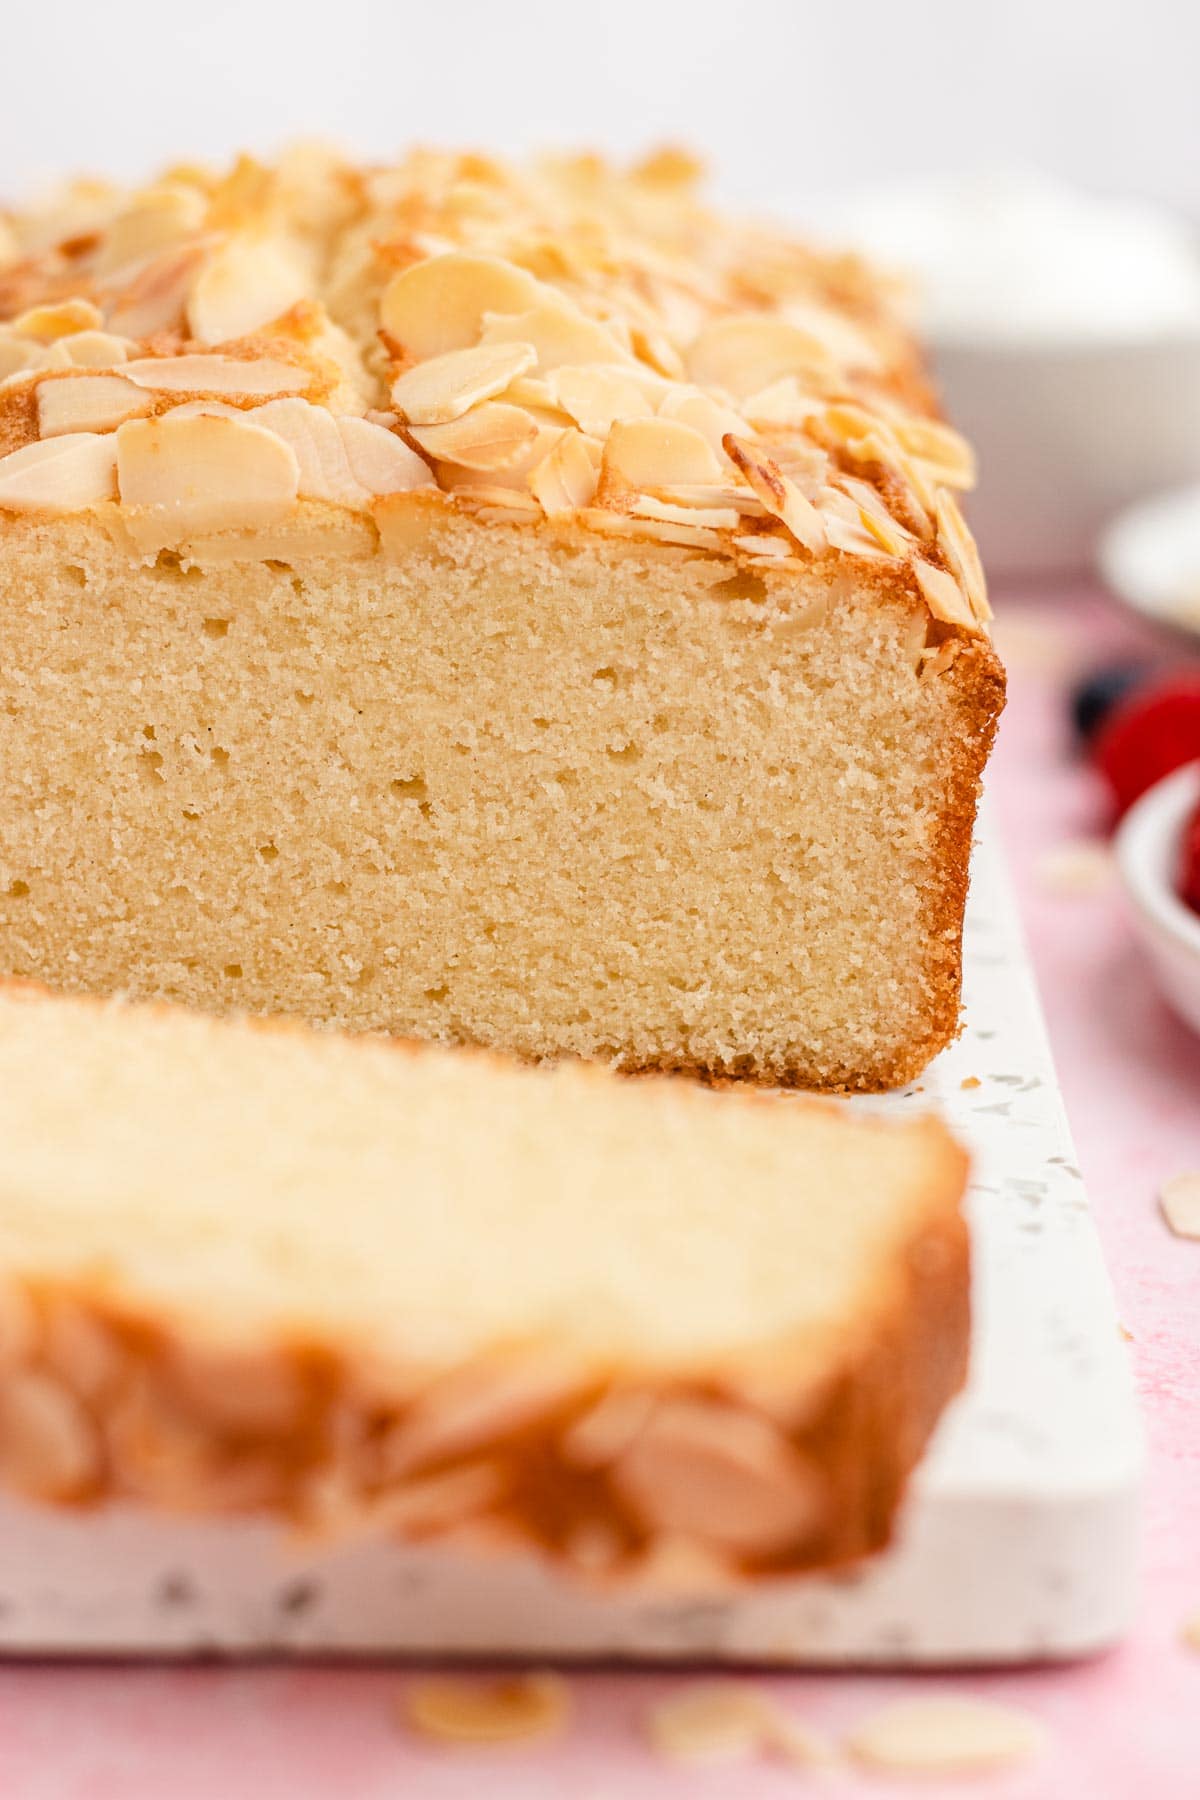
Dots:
pixel 565 481
pixel 721 1475
pixel 321 456
pixel 216 375
pixel 154 297
pixel 445 387
pixel 650 453
pixel 945 1736
pixel 64 474
pixel 48 1445
pixel 844 524
pixel 16 355
pixel 440 304
pixel 46 323
pixel 252 1392
pixel 491 436
pixel 491 497
pixel 688 537
pixel 88 403
pixel 607 1429
pixel 770 549
pixel 1180 1201
pixel 474 1407
pixel 785 402
pixel 435 1504
pixel 596 397
pixel 842 341
pixel 704 414
pixel 948 457
pixel 715 518
pixel 204 474
pixel 745 354
pixel 97 349
pixel 380 460
pixel 152 222
pixel 958 546
pixel 711 1721
pixel 508 1710
pixel 943 596
pixel 558 331
pixel 242 287
pixel 779 494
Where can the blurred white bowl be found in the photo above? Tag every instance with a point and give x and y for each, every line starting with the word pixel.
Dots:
pixel 1148 848
pixel 1150 556
pixel 1067 436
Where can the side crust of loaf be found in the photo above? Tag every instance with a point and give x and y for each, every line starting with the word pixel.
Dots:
pixel 803 1458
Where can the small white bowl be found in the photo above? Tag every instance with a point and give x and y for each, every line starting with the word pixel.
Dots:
pixel 1067 436
pixel 1148 848
pixel 1150 556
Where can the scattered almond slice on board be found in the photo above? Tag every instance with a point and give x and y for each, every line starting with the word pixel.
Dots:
pixel 720 1721
pixel 944 1737
pixel 1180 1201
pixel 509 1710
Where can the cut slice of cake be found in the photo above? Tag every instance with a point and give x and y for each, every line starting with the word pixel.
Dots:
pixel 508 606
pixel 629 1326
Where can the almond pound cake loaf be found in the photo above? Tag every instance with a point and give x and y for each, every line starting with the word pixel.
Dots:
pixel 635 1327
pixel 507 606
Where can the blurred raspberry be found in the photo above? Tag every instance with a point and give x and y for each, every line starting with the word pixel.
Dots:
pixel 1149 735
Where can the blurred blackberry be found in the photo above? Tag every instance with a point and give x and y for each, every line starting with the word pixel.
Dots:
pixel 1096 695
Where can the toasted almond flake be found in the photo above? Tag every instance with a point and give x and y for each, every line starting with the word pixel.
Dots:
pixel 724 1476
pixel 1079 866
pixel 716 518
pixel 608 1428
pixel 749 352
pixel 1180 1201
pixel 154 297
pixel 945 1737
pixel 887 534
pixel 473 1407
pixel 596 397
pixel 1189 1631
pixel 48 1445
pixel 204 474
pixel 948 457
pixel 445 387
pixel 779 494
pixel 380 460
pixel 87 403
pixel 97 349
pixel 784 402
pixel 320 450
pixel 704 494
pixel 511 1709
pixel 649 453
pixel 958 546
pixel 943 596
pixel 655 348
pixel 558 331
pixel 153 221
pixel 46 323
pixel 440 304
pixel 242 287
pixel 490 496
pixel 687 537
pixel 64 474
pixel 844 525
pixel 770 549
pixel 201 374
pixel 491 436
pixel 434 1504
pixel 844 344
pixel 710 1721
pixel 17 355
pixel 565 480
pixel 704 414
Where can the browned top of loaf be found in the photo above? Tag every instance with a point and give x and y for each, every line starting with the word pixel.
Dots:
pixel 560 340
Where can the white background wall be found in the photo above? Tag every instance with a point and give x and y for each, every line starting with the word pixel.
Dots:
pixel 786 98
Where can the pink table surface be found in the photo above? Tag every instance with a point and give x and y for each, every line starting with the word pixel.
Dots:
pixel 1126 1723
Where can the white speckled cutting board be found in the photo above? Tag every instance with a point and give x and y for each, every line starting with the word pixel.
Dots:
pixel 1017 1540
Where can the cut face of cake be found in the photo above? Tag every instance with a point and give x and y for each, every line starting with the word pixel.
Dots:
pixel 515 607
pixel 640 1329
